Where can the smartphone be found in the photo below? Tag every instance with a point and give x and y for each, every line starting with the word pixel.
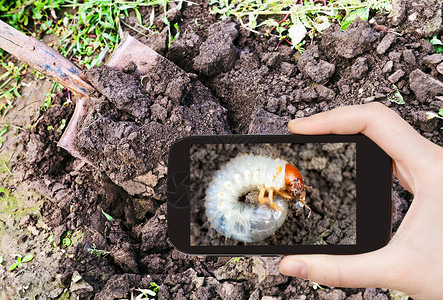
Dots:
pixel 235 195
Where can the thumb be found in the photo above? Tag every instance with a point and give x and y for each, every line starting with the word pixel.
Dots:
pixel 360 270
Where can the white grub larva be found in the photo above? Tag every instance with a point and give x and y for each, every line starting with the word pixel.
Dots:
pixel 245 173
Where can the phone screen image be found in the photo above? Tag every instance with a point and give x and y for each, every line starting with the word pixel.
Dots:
pixel 239 196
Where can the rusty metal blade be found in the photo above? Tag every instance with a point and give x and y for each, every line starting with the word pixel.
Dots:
pixel 130 50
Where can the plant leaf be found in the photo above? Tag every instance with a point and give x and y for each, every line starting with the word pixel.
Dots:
pixel 363 13
pixel 14 266
pixel 28 258
pixel 109 217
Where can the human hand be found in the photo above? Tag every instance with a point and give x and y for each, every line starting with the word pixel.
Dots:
pixel 412 261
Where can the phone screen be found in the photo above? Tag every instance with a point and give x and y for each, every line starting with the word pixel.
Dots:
pixel 226 181
pixel 278 194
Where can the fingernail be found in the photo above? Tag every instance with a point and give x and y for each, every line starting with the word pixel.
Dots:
pixel 295 121
pixel 294 268
pixel 292 125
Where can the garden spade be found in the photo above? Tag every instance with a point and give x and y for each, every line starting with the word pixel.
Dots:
pixel 46 60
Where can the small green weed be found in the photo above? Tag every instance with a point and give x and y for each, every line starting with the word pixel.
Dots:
pixel 20 260
pixel 2 133
pixel 107 216
pixel 233 260
pixel 66 241
pixel 47 101
pixel 146 294
pixel 438 44
pixel 299 17
pixel 99 253
pixel 438 115
pixel 396 96
pixel 316 286
pixel 10 84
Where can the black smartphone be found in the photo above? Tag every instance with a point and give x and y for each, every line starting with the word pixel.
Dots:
pixel 236 195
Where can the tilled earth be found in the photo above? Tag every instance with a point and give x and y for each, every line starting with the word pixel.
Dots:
pixel 228 80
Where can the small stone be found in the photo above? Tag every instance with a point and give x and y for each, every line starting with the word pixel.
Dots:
pixel 386 42
pixel 32 229
pixel 395 56
pixel 55 293
pixel 130 68
pixel 125 257
pixel 267 271
pixel 325 93
pixel 388 67
pixel 397 295
pixel 440 68
pixel 319 72
pixel 427 47
pixel 359 68
pixel 396 76
pixel 22 238
pixel 355 297
pixel 433 59
pixel 379 95
pixel 425 86
pixel 368 99
pixel 288 69
pixel 230 291
pixel 374 294
pixel 79 286
pixel 409 57
pixel 333 294
pixel 345 89
pixel 25 220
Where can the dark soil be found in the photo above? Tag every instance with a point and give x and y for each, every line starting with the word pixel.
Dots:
pixel 229 81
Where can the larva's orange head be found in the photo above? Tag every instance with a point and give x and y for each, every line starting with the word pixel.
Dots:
pixel 291 174
pixel 294 182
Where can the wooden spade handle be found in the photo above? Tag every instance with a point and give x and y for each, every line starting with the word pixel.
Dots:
pixel 44 59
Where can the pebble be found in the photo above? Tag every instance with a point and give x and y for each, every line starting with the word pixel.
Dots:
pixel 333 294
pixel 374 294
pixel 409 57
pixel 425 86
pixel 396 76
pixel 386 42
pixel 440 68
pixel 388 67
pixel 433 59
pixel 359 68
pixel 395 56
pixel 230 291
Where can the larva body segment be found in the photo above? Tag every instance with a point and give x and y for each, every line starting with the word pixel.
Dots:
pixel 238 220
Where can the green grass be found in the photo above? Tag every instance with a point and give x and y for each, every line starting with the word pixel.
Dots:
pixel 277 17
pixel 86 31
pixel 97 252
pixel 438 115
